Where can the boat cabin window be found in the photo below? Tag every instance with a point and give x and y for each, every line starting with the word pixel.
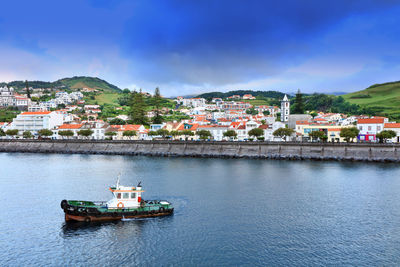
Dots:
pixel 126 195
pixel 133 195
pixel 119 195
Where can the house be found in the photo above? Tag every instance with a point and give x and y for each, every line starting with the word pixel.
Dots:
pixel 141 131
pixel 217 131
pixel 370 127
pixel 68 127
pixel 394 127
pixel 248 96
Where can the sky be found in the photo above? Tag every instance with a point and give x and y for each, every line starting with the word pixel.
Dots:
pixel 188 47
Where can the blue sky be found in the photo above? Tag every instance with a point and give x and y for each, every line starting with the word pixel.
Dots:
pixel 187 47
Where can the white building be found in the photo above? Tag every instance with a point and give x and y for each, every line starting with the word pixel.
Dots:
pixel 193 102
pixel 393 127
pixel 35 121
pixel 7 97
pixel 370 127
pixel 217 131
pixel 285 109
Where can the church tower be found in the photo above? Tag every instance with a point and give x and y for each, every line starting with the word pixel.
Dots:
pixel 285 109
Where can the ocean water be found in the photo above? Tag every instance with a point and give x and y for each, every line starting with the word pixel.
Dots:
pixel 228 212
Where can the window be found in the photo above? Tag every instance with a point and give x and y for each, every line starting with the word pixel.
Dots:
pixel 360 128
pixel 119 195
pixel 133 195
pixel 369 128
pixel 126 195
pixel 378 128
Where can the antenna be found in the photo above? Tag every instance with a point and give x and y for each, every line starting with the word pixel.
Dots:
pixel 117 185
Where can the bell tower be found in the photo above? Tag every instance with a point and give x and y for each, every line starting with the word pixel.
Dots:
pixel 285 109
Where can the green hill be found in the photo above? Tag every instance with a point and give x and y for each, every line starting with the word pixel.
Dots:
pixel 383 98
pixel 77 82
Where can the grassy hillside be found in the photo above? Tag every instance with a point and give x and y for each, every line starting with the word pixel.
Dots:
pixel 88 82
pixel 383 98
pixel 76 82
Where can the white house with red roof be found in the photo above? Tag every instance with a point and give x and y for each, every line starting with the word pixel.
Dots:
pixel 370 127
pixel 248 96
pixel 141 131
pixel 35 121
pixel 68 127
pixel 394 127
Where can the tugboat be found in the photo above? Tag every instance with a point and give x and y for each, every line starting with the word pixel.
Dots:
pixel 126 203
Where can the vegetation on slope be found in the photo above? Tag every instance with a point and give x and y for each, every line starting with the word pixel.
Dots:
pixel 267 94
pixel 77 82
pixel 383 99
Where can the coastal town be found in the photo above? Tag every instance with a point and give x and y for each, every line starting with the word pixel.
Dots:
pixel 67 116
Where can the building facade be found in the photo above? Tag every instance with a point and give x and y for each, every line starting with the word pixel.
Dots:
pixel 285 109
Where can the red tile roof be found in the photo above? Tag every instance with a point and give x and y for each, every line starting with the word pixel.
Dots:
pixel 36 113
pixel 70 126
pixel 371 121
pixel 392 125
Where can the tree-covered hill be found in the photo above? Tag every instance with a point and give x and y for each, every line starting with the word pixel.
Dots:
pixel 267 94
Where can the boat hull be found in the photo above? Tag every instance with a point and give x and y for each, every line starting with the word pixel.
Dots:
pixel 97 218
pixel 87 211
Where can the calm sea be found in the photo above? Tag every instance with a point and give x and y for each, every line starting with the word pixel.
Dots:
pixel 227 212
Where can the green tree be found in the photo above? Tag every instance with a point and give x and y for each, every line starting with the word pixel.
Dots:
pixel 162 132
pixel 28 94
pixel 315 135
pixel 157 103
pixel 12 132
pixel 187 133
pixel 138 109
pixel 2 133
pixel 251 111
pixel 129 134
pixel 298 106
pixel 85 132
pixel 313 114
pixel 256 132
pixel 66 133
pixel 349 133
pixel 385 135
pixel 231 134
pixel 27 134
pixel 266 112
pixel 278 116
pixel 204 134
pixel 283 132
pixel 117 121
pixel 45 132
pixel 175 133
pixel 110 134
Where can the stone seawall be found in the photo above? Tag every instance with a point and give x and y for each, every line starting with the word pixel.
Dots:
pixel 261 150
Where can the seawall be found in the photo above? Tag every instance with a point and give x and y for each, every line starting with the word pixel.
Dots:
pixel 260 150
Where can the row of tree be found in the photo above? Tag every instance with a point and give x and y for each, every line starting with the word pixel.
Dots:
pixel 46 133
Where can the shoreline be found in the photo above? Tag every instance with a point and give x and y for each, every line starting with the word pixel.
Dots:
pixel 367 152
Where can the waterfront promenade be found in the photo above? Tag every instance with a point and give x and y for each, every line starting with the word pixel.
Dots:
pixel 222 149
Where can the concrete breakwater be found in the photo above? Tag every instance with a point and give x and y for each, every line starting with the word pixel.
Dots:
pixel 261 150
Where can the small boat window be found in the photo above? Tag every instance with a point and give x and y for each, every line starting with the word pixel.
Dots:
pixel 133 195
pixel 119 195
pixel 126 195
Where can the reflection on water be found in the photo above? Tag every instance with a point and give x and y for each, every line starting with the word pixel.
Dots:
pixel 227 212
